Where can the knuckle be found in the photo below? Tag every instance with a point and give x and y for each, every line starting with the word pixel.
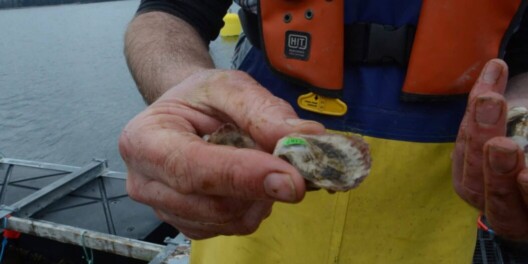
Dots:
pixel 270 104
pixel 189 210
pixel 234 179
pixel 459 189
pixel 475 148
pixel 226 210
pixel 522 181
pixel 473 198
pixel 199 235
pixel 240 76
pixel 501 193
pixel 133 189
pixel 462 135
pixel 130 139
pixel 223 211
pixel 124 145
pixel 192 233
pixel 248 227
pixel 249 223
pixel 176 168
pixel 182 209
pixel 161 216
pixel 230 173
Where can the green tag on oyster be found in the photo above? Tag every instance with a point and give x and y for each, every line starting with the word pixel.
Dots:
pixel 292 141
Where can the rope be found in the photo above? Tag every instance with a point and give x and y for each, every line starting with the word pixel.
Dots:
pixel 88 257
pixel 481 224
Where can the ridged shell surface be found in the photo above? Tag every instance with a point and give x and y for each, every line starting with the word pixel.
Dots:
pixel 518 128
pixel 333 162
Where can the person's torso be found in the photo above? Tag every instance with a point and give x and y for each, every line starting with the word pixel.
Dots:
pixel 372 93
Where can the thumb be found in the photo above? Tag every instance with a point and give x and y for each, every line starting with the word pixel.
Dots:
pixel 493 78
pixel 274 129
pixel 226 171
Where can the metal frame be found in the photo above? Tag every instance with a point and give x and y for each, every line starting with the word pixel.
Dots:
pixel 77 236
pixel 54 191
pixel 175 252
pixel 58 167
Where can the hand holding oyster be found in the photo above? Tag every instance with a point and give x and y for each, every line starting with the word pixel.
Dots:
pixel 331 161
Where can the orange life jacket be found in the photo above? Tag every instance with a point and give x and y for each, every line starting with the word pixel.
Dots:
pixel 304 41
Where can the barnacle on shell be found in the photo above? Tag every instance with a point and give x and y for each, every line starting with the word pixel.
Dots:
pixel 331 161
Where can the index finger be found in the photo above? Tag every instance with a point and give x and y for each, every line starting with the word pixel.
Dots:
pixel 165 147
pixel 505 207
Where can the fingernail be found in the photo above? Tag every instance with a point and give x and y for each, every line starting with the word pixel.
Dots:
pixel 488 110
pixel 508 156
pixel 280 186
pixel 491 73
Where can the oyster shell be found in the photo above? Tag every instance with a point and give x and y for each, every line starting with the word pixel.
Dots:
pixel 230 135
pixel 517 128
pixel 333 162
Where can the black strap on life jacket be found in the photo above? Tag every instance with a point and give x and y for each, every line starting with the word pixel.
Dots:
pixel 365 43
pixel 375 44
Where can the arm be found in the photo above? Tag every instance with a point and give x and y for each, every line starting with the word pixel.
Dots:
pixel 161 51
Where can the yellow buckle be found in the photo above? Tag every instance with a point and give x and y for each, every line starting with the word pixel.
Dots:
pixel 322 105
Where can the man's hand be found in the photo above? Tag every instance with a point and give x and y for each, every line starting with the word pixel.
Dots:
pixel 489 171
pixel 203 189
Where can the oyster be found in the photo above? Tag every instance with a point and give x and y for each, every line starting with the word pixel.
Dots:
pixel 333 162
pixel 230 135
pixel 517 128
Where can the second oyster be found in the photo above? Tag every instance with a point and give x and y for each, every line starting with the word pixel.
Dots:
pixel 517 128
